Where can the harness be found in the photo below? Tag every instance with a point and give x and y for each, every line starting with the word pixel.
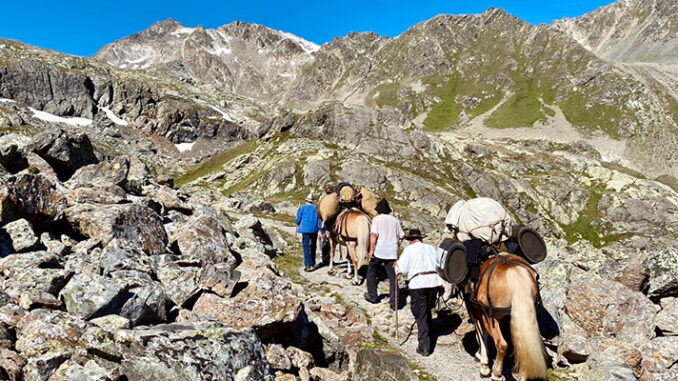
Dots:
pixel 340 227
pixel 489 309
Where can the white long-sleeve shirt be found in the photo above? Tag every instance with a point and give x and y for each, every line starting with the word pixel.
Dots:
pixel 419 258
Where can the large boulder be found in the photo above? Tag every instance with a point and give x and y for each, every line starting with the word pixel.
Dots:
pixel 43 331
pixel 380 364
pixel 186 352
pixel 266 300
pixel 17 236
pixel 202 238
pixel 65 151
pixel 606 367
pixel 107 173
pixel 33 279
pixel 36 198
pixel 180 283
pixel 604 307
pixel 89 296
pixel 660 357
pixel 667 318
pixel 137 226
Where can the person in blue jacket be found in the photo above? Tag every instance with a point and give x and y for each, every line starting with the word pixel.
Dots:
pixel 308 224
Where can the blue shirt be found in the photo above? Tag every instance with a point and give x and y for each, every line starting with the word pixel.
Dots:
pixel 308 220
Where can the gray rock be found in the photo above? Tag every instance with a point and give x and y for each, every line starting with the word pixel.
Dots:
pixel 146 306
pixel 278 357
pixel 64 151
pixel 112 322
pixel 136 225
pixel 41 368
pixel 605 307
pixel 667 318
pixel 317 173
pixel 105 174
pixel 90 296
pixel 202 238
pixel 71 370
pixel 12 363
pixel 180 283
pixel 44 331
pixel 606 367
pixel 379 364
pixel 34 197
pixel 191 352
pixel 660 355
pixel 17 236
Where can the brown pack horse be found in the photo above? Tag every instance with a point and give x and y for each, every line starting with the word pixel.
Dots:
pixel 507 286
pixel 351 229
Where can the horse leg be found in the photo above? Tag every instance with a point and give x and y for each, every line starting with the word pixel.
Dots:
pixel 481 355
pixel 500 344
pixel 354 261
pixel 333 246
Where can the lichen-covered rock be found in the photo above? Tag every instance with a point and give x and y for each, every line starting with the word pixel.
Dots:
pixel 89 295
pixel 380 364
pixel 189 352
pixel 278 357
pixel 112 194
pixel 111 322
pixel 667 318
pixel 12 364
pixel 17 236
pixel 180 282
pixel 660 355
pixel 65 151
pixel 44 331
pixel 147 304
pixel 71 370
pixel 266 299
pixel 136 225
pixel 41 368
pixel 606 367
pixel 202 238
pixel 105 174
pixel 605 307
pixel 36 198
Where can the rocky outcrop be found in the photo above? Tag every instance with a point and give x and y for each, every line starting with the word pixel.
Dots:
pixel 379 364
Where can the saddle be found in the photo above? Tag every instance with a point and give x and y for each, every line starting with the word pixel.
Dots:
pixel 489 309
pixel 340 227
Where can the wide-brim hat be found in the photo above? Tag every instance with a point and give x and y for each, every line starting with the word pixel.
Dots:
pixel 414 234
pixel 383 207
pixel 309 198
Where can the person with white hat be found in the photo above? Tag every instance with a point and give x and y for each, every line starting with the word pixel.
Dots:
pixel 308 224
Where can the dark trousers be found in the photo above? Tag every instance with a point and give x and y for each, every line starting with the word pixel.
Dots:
pixel 309 241
pixel 422 300
pixel 372 278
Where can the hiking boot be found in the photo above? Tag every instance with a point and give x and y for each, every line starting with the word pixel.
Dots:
pixel 367 297
pixel 423 353
pixel 308 268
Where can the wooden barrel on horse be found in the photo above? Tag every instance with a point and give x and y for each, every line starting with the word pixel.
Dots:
pixel 507 286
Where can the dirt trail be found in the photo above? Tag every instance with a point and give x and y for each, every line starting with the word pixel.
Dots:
pixel 449 360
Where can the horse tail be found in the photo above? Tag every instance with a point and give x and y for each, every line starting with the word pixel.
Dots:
pixel 530 356
pixel 363 238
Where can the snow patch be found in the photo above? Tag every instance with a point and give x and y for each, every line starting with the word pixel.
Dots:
pixel 287 75
pixel 184 147
pixel 307 46
pixel 219 50
pixel 47 117
pixel 6 100
pixel 138 60
pixel 261 51
pixel 114 118
pixel 183 30
pixel 223 113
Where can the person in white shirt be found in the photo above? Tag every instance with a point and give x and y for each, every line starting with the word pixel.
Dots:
pixel 385 236
pixel 419 262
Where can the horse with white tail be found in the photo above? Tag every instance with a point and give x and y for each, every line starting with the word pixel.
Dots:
pixel 507 286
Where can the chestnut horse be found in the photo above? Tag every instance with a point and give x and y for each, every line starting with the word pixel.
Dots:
pixel 507 286
pixel 351 229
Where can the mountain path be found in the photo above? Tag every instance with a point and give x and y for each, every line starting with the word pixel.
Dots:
pixel 449 360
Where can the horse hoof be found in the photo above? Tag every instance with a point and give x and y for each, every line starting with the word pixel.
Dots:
pixel 485 371
pixel 500 378
pixel 355 282
pixel 330 272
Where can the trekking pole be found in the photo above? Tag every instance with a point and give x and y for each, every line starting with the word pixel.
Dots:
pixel 397 286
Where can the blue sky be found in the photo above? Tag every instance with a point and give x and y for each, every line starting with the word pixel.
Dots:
pixel 82 27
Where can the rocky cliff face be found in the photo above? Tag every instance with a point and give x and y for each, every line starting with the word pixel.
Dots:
pixel 248 59
pixel 628 31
